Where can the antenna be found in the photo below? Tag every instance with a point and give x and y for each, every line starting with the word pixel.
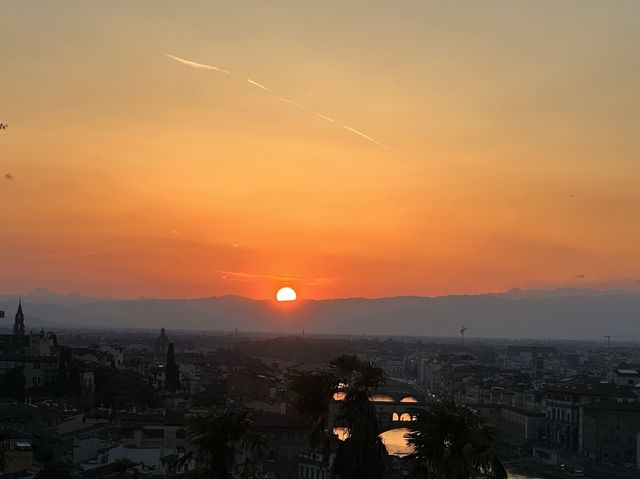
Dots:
pixel 462 330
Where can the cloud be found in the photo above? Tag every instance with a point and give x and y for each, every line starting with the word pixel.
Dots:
pixel 241 276
pixel 244 276
pixel 203 66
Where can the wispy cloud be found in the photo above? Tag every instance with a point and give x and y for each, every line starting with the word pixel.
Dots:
pixel 241 276
pixel 203 66
pixel 245 276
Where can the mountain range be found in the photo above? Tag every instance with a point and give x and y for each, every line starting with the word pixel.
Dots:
pixel 561 313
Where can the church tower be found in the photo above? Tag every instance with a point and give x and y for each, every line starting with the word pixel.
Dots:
pixel 18 325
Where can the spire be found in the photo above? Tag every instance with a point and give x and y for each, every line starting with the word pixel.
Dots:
pixel 18 325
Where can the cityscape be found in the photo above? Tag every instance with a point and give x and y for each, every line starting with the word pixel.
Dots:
pixel 348 239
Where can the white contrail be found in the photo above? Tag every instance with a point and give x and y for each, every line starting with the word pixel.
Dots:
pixel 259 85
pixel 325 117
pixel 203 66
pixel 197 65
pixel 359 133
pixel 291 102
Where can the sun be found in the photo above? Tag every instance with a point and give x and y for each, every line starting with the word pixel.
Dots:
pixel 286 294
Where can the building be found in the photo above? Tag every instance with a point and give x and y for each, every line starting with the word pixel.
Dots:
pixel 312 465
pixel 247 385
pixel 148 431
pixel 285 438
pixel 40 423
pixel 33 354
pixel 624 377
pixel 522 425
pixel 563 408
pixel 16 455
pixel 609 431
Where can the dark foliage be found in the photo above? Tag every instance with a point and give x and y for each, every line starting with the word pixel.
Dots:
pixel 362 455
pixel 222 440
pixel 453 442
pixel 12 384
pixel 123 389
pixel 172 372
pixel 54 471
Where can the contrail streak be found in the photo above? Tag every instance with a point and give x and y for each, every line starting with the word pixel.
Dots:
pixel 202 66
pixel 325 117
pixel 359 133
pixel 259 85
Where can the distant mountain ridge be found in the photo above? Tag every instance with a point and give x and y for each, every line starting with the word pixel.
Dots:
pixel 560 313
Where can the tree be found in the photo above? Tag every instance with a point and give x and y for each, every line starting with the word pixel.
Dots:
pixel 54 471
pixel 451 441
pixel 123 389
pixel 222 440
pixel 172 371
pixel 12 384
pixel 362 454
pixel 313 395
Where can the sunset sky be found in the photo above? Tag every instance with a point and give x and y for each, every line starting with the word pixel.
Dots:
pixel 513 135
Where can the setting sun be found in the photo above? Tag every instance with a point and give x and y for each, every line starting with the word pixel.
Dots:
pixel 286 294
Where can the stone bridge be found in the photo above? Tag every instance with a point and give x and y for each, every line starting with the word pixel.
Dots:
pixel 394 410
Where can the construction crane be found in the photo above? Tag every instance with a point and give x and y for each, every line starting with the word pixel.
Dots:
pixel 462 330
pixel 609 339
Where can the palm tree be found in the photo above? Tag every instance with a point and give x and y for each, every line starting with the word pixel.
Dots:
pixel 313 395
pixel 221 440
pixel 362 454
pixel 451 441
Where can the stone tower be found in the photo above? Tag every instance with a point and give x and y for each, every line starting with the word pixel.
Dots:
pixel 18 324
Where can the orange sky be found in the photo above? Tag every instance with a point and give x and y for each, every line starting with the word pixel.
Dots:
pixel 512 129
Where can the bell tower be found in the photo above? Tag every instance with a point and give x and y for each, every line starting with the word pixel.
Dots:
pixel 18 325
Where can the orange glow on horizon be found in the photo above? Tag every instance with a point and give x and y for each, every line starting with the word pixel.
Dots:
pixel 511 159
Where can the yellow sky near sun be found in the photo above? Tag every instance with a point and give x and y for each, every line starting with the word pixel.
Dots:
pixel 512 130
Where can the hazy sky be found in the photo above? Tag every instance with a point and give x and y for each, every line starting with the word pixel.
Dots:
pixel 513 130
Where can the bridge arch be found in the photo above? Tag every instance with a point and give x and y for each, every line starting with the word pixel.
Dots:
pixel 382 398
pixel 410 399
pixel 396 442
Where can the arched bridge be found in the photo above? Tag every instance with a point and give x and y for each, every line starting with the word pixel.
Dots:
pixel 394 410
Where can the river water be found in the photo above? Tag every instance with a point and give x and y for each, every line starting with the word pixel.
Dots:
pixel 396 444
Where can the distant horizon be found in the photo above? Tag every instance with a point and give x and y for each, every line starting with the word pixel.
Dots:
pixel 632 288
